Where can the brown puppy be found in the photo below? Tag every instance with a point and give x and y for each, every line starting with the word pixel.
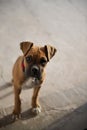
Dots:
pixel 30 68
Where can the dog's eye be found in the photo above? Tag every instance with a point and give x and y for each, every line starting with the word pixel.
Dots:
pixel 29 59
pixel 43 61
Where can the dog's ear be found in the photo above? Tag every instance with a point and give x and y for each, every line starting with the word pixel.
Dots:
pixel 25 46
pixel 50 51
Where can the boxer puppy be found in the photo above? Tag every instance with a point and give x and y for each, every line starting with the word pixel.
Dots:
pixel 30 68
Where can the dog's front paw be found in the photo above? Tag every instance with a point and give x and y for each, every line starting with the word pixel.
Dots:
pixel 16 115
pixel 36 110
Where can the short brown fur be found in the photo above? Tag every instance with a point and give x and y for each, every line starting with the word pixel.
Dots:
pixel 28 49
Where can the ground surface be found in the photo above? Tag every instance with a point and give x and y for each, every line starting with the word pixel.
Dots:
pixel 62 23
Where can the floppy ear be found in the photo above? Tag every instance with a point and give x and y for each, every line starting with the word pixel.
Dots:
pixel 25 46
pixel 50 51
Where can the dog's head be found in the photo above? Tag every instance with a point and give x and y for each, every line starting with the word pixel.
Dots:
pixel 36 58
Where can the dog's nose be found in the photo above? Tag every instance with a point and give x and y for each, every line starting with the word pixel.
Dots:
pixel 35 71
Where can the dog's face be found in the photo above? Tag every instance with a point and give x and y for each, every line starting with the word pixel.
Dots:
pixel 35 59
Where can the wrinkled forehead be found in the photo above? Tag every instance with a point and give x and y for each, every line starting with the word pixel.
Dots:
pixel 36 52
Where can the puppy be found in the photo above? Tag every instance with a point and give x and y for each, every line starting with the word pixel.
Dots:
pixel 30 68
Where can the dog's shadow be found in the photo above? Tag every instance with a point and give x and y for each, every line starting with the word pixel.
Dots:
pixel 5 85
pixel 7 120
pixel 28 114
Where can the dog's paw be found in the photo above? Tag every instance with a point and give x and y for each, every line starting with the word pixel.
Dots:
pixel 16 116
pixel 36 110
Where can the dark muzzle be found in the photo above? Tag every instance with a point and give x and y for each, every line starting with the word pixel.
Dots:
pixel 35 71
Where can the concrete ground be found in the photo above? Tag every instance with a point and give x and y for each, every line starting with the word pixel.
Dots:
pixel 62 23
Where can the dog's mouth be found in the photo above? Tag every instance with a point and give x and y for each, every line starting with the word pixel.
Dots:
pixel 31 83
pixel 35 80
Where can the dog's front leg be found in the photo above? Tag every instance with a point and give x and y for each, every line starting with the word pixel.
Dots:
pixel 36 108
pixel 17 105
